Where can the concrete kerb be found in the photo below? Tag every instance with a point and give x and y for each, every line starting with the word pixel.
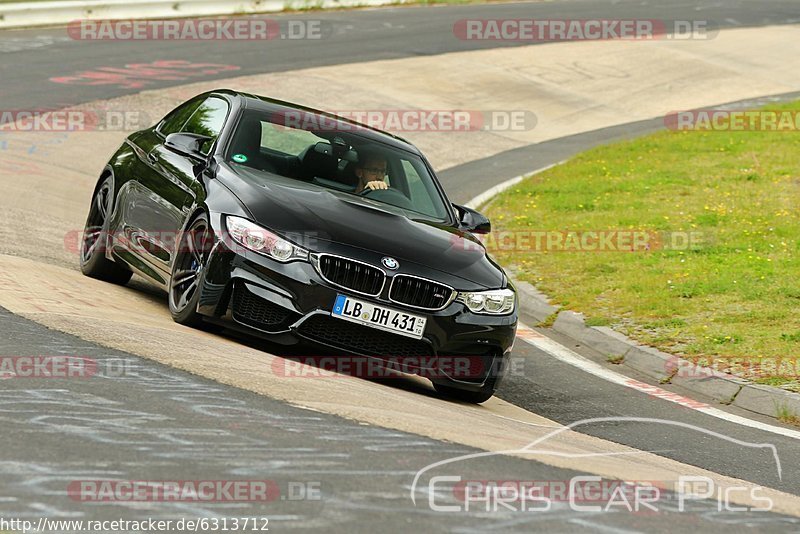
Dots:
pixel 723 388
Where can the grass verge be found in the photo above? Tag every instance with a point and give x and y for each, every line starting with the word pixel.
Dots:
pixel 785 415
pixel 730 296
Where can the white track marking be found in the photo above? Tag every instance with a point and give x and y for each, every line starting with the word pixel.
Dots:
pixel 563 354
pixel 490 193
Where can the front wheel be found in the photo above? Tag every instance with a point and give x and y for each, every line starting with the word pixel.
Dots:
pixel 191 257
pixel 94 262
pixel 471 396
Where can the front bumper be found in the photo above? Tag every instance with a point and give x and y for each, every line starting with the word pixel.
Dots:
pixel 290 302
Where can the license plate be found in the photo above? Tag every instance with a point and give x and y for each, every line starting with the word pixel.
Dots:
pixel 380 317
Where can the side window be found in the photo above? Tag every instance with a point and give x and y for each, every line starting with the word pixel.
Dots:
pixel 173 122
pixel 208 119
pixel 420 196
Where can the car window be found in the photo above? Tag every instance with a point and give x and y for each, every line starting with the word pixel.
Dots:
pixel 174 122
pixel 286 140
pixel 336 158
pixel 208 119
pixel 420 194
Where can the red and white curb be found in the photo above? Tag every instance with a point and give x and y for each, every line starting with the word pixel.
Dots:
pixel 564 354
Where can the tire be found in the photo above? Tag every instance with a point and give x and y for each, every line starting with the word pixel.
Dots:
pixel 190 261
pixel 471 397
pixel 94 262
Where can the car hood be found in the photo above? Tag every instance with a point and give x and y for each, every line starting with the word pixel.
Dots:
pixel 314 217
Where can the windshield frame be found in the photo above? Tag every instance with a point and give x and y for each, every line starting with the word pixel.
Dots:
pixel 223 151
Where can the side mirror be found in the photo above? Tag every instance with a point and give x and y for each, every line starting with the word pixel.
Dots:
pixel 188 144
pixel 473 221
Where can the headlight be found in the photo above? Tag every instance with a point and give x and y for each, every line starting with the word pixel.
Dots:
pixel 258 239
pixel 494 302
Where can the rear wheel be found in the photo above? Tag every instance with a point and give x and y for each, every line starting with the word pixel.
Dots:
pixel 191 257
pixel 95 239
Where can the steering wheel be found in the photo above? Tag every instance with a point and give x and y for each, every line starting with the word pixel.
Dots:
pixel 389 196
pixel 367 191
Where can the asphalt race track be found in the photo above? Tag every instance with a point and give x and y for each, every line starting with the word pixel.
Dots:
pixel 155 423
pixel 139 419
pixel 350 37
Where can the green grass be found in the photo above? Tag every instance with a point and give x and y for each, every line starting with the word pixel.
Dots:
pixel 736 293
pixel 548 321
pixel 786 415
pixel 616 359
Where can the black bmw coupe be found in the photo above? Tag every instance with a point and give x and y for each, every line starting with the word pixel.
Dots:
pixel 301 226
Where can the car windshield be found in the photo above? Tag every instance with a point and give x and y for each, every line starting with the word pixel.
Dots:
pixel 330 154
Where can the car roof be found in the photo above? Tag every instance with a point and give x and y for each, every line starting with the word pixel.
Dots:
pixel 272 105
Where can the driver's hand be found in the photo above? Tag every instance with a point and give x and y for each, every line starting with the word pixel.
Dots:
pixel 376 184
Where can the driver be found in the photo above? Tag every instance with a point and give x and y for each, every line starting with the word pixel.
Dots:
pixel 371 171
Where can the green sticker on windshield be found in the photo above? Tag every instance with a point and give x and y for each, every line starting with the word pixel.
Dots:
pixel 239 158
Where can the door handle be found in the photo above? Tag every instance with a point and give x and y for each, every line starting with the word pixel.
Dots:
pixel 152 157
